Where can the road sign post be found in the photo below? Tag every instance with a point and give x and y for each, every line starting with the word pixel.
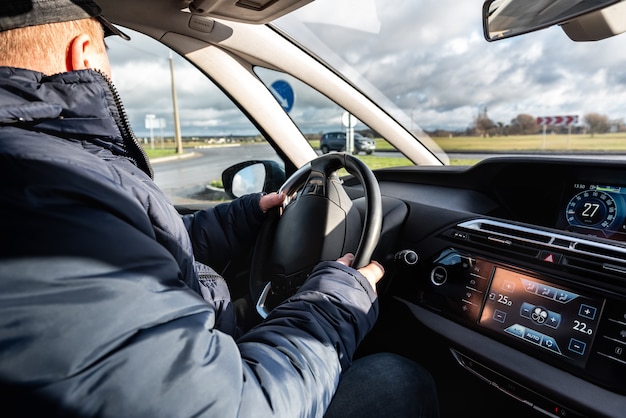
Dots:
pixel 349 122
pixel 151 123
pixel 567 120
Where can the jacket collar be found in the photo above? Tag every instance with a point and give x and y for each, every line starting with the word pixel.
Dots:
pixel 59 103
pixel 77 105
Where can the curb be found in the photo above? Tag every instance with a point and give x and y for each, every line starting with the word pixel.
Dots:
pixel 174 157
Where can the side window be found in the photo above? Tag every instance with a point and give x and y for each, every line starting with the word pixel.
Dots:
pixel 214 133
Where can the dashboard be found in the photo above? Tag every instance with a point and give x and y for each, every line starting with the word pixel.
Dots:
pixel 523 272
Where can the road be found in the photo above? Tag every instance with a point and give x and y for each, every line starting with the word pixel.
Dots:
pixel 203 165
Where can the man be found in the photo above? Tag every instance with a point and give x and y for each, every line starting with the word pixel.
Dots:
pixel 105 307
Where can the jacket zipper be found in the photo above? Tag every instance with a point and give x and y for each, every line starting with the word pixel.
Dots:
pixel 136 152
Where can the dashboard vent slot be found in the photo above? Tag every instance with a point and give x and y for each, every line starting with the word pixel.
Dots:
pixel 516 233
pixel 504 243
pixel 605 252
pixel 564 243
pixel 579 253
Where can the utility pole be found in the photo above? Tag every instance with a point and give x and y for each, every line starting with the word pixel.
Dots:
pixel 177 137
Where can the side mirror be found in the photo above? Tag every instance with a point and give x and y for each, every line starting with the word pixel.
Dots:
pixel 507 18
pixel 252 177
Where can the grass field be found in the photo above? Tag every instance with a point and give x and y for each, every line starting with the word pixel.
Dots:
pixel 599 142
pixel 615 142
pixel 596 143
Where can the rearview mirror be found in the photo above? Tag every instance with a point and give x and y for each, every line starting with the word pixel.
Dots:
pixel 507 18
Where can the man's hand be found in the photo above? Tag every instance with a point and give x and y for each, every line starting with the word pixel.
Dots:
pixel 271 200
pixel 373 272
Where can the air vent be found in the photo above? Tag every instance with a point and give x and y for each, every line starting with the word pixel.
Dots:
pixel 579 254
pixel 518 233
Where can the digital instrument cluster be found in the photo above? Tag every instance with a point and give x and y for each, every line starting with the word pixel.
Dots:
pixel 595 209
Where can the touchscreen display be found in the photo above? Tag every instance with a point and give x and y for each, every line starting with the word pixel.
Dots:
pixel 595 209
pixel 555 319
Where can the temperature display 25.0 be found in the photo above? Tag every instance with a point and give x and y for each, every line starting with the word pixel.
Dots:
pixel 551 318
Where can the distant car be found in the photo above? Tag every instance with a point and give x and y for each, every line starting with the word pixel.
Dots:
pixel 336 141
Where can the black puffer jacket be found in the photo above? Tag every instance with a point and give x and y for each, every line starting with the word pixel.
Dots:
pixel 100 307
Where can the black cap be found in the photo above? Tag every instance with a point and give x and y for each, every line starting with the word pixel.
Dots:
pixel 21 13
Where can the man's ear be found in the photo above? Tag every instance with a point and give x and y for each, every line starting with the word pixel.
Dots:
pixel 78 55
pixel 83 54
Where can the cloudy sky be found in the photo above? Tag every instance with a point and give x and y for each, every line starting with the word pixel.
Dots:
pixel 428 57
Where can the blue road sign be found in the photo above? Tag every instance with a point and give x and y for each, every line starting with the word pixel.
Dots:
pixel 283 92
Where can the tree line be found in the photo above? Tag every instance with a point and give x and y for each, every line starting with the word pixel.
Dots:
pixel 525 124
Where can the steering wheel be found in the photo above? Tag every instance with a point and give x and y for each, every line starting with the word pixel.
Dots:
pixel 317 221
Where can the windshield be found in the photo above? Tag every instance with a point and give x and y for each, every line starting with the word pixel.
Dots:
pixel 427 63
pixel 424 62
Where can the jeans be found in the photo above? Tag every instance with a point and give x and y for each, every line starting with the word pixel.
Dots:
pixel 384 385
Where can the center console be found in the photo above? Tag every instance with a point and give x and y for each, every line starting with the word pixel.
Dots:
pixel 576 325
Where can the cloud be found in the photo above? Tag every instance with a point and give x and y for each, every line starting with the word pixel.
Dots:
pixel 427 57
